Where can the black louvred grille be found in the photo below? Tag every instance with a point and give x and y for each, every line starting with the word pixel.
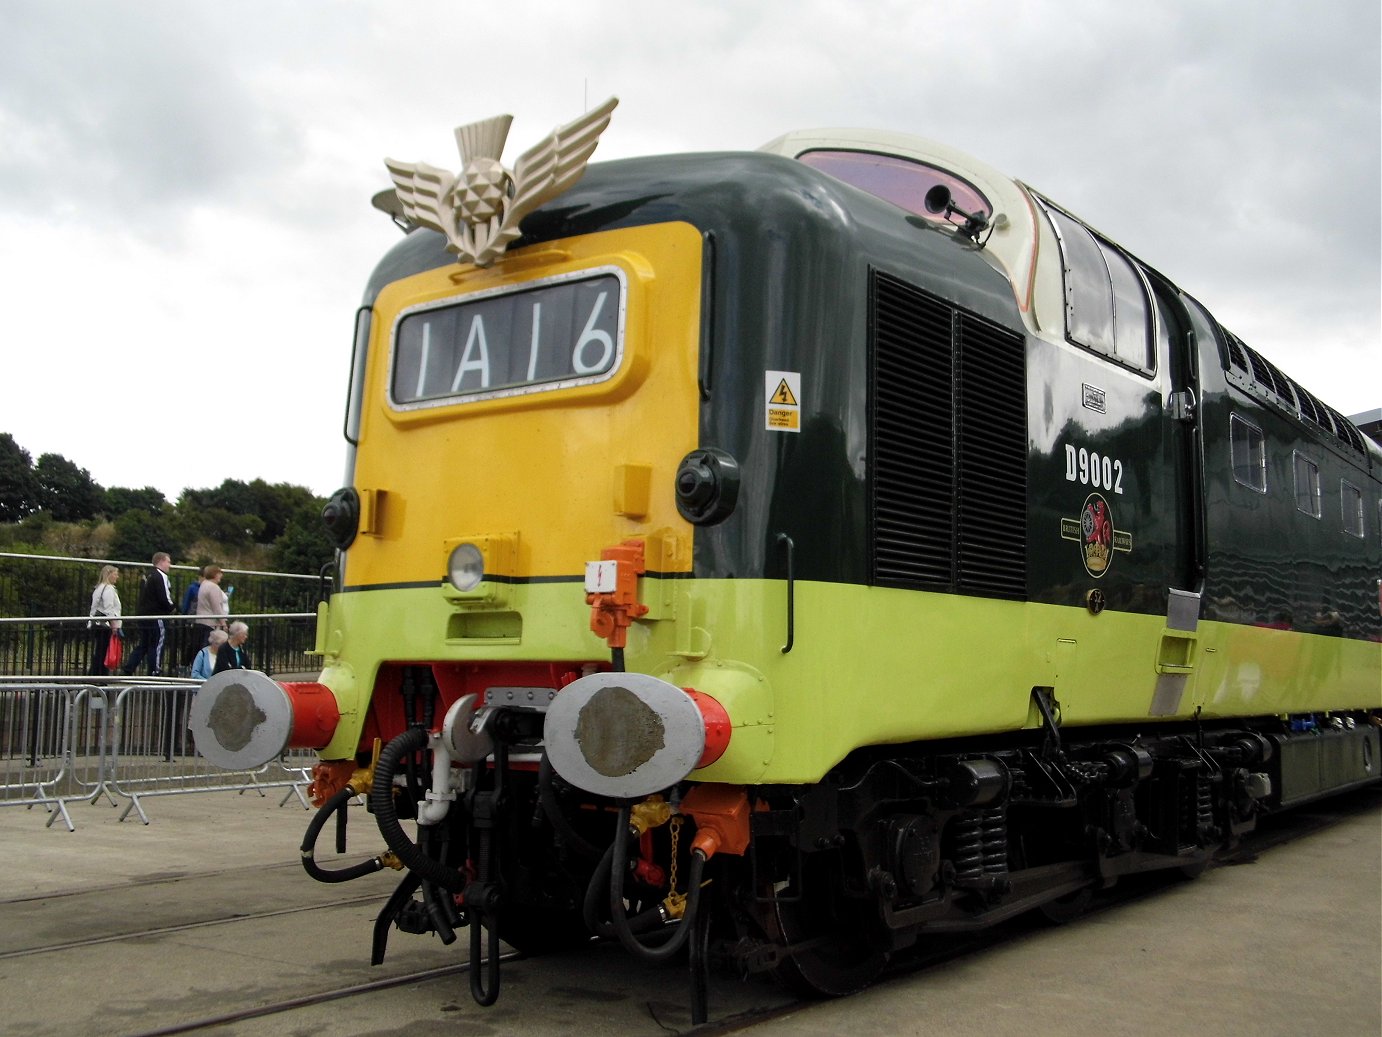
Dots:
pixel 948 446
pixel 912 454
pixel 991 446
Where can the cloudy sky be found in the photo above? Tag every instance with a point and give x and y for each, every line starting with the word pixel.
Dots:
pixel 185 228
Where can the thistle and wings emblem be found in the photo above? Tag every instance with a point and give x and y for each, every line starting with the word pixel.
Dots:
pixel 479 208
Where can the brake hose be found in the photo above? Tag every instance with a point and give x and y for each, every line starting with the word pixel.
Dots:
pixel 309 845
pixel 622 928
pixel 386 815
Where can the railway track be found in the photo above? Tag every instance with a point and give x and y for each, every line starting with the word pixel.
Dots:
pixel 194 961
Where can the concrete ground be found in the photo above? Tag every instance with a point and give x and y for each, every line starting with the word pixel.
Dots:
pixel 1288 942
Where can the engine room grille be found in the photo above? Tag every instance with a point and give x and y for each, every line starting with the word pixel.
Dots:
pixel 948 446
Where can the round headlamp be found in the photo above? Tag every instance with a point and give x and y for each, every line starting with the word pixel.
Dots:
pixel 466 567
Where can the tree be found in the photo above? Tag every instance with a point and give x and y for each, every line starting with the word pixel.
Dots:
pixel 67 492
pixel 138 535
pixel 304 546
pixel 19 488
pixel 120 499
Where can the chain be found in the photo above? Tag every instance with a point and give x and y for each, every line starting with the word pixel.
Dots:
pixel 672 872
pixel 674 902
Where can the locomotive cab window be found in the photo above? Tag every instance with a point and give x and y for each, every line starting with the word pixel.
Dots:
pixel 1307 486
pixel 1248 446
pixel 553 334
pixel 1351 501
pixel 1107 304
pixel 901 181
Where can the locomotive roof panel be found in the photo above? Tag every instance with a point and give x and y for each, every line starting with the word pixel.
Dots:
pixel 746 193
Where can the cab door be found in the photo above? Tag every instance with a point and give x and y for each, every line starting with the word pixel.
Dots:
pixel 1178 344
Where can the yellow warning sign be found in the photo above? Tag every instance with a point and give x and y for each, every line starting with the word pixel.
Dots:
pixel 782 391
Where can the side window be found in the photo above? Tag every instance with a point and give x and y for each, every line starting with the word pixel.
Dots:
pixel 1351 500
pixel 1307 486
pixel 1248 447
pixel 1106 301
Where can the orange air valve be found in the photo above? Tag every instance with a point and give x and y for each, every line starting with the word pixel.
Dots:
pixel 611 586
pixel 721 813
pixel 242 719
pixel 717 726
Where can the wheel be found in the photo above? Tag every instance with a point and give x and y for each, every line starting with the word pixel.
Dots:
pixel 841 958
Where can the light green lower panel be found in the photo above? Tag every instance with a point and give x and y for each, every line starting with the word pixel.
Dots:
pixel 867 666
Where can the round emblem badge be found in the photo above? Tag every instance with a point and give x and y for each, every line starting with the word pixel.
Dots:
pixel 1096 534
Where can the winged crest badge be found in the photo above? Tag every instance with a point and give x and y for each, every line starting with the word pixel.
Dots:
pixel 479 208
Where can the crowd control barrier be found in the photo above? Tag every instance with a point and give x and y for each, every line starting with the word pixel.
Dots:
pixel 119 740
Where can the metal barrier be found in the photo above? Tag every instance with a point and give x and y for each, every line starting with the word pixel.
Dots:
pixel 78 741
pixel 53 746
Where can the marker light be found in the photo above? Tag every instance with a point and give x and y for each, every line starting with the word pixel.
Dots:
pixel 466 567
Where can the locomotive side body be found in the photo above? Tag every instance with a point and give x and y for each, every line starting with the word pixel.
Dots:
pixel 849 526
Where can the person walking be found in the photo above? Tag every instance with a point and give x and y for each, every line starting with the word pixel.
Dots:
pixel 156 601
pixel 212 605
pixel 105 618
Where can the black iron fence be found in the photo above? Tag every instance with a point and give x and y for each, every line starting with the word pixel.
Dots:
pixel 44 602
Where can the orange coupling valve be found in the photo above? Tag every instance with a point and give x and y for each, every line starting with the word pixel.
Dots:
pixel 611 591
pixel 721 813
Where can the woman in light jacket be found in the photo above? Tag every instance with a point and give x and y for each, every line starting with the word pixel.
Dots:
pixel 205 663
pixel 105 618
pixel 212 605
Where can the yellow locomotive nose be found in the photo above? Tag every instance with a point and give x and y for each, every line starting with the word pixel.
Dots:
pixel 626 735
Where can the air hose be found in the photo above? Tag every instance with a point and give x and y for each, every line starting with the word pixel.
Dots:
pixel 386 815
pixel 597 890
pixel 309 845
pixel 623 928
pixel 551 807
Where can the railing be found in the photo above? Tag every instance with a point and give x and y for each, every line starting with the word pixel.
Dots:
pixel 62 742
pixel 45 601
pixel 62 645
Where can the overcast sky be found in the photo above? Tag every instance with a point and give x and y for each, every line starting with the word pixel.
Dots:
pixel 185 228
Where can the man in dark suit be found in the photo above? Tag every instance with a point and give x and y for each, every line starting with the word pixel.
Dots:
pixel 155 599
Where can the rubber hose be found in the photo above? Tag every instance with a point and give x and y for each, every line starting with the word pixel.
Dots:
pixel 309 844
pixel 643 922
pixel 381 802
pixel 437 912
pixel 547 797
pixel 433 899
pixel 621 925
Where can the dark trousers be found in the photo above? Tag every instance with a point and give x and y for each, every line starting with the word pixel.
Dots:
pixel 100 641
pixel 152 636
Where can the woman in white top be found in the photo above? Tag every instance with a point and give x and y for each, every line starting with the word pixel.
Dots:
pixel 105 618
pixel 205 663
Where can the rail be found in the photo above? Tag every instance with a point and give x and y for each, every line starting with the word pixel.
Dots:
pixel 71 741
pixel 35 646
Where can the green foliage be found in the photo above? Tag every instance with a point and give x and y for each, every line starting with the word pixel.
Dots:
pixel 304 546
pixel 55 507
pixel 120 499
pixel 273 504
pixel 223 526
pixel 66 492
pixel 138 535
pixel 19 487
